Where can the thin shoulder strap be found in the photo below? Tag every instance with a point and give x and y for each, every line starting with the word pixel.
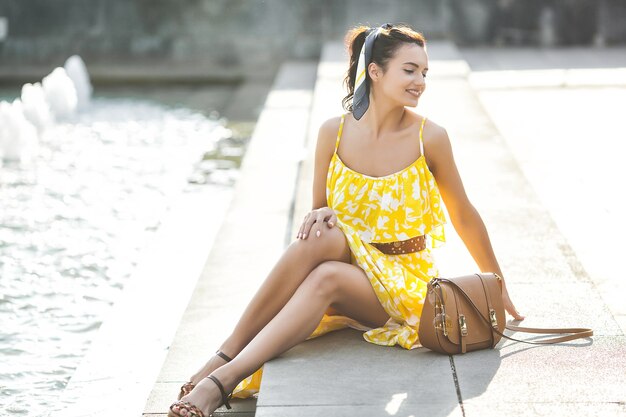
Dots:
pixel 343 116
pixel 421 138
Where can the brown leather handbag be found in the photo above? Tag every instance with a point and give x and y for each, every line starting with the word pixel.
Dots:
pixel 466 313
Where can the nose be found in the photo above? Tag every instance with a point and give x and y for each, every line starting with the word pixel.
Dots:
pixel 420 80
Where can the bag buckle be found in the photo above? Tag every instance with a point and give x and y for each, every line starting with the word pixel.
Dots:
pixel 463 325
pixel 492 317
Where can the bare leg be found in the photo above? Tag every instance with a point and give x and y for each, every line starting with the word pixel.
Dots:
pixel 332 283
pixel 298 260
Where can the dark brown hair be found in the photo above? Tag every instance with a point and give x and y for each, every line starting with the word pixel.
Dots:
pixel 386 45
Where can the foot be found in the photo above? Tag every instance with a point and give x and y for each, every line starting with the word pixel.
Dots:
pixel 215 362
pixel 206 397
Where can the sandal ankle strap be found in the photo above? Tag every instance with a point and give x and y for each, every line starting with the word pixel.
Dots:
pixel 223 355
pixel 221 387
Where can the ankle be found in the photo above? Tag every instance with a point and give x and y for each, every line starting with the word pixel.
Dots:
pixel 228 378
pixel 214 362
pixel 231 348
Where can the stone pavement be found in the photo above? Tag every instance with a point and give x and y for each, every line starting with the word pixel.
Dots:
pixel 569 143
pixel 340 373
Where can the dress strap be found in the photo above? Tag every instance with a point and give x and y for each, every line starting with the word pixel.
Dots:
pixel 343 116
pixel 421 138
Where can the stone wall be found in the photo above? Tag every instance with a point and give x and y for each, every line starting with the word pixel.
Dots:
pixel 251 37
pixel 248 36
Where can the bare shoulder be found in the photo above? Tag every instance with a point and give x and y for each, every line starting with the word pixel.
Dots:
pixel 330 127
pixel 328 134
pixel 437 148
pixel 324 151
pixel 434 135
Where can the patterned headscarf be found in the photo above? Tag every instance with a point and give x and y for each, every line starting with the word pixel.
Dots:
pixel 361 98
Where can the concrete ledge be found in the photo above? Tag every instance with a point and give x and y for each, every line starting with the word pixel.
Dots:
pixel 159 72
pixel 523 68
pixel 117 373
pixel 549 78
pixel 251 238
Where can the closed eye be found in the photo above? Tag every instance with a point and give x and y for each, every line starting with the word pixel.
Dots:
pixel 411 72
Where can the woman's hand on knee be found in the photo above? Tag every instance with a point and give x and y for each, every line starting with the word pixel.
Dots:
pixel 313 221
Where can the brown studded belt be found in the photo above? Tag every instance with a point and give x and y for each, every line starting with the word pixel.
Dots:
pixel 415 244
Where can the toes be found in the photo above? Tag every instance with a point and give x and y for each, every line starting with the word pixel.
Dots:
pixel 176 408
pixel 181 411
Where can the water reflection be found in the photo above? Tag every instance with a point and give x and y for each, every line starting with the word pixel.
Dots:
pixel 73 222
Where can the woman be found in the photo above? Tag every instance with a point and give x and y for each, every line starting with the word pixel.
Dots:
pixel 362 256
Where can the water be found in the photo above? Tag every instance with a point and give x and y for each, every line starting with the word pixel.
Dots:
pixel 73 223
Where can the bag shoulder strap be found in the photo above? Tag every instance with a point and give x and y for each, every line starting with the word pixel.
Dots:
pixel 576 333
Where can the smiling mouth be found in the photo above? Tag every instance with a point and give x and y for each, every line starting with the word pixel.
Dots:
pixel 414 93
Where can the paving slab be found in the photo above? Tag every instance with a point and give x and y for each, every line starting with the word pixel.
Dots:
pixel 330 374
pixel 580 57
pixel 405 410
pixel 573 372
pixel 538 409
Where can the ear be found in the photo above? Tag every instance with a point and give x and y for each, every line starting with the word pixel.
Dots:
pixel 374 71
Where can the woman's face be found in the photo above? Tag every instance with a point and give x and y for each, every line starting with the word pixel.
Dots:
pixel 404 80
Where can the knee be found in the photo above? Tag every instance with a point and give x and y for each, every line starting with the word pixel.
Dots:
pixel 329 245
pixel 324 280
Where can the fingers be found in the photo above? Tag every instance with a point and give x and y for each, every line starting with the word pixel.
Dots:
pixel 332 220
pixel 308 226
pixel 517 315
pixel 319 220
pixel 510 308
pixel 309 219
pixel 318 217
pixel 513 311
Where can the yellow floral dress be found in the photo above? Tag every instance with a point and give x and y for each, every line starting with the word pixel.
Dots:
pixel 394 207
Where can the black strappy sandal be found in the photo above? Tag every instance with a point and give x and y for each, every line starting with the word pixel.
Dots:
pixel 192 410
pixel 188 386
pixel 225 397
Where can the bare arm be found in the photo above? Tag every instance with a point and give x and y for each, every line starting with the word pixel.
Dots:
pixel 324 150
pixel 464 217
pixel 320 211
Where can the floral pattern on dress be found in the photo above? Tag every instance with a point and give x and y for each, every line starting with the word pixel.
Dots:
pixel 394 207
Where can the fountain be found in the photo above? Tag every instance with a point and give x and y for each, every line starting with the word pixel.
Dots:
pixel 36 108
pixel 77 71
pixel 18 137
pixel 60 93
pixel 75 222
pixel 57 97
